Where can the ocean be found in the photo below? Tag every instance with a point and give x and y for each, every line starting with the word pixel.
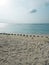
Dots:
pixel 25 28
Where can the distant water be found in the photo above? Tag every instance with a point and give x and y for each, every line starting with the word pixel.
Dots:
pixel 26 28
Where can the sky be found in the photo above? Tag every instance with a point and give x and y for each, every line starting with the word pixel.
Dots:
pixel 24 11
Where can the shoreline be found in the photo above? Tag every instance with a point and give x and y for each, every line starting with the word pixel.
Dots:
pixel 31 35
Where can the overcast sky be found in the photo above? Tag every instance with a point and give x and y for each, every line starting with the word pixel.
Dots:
pixel 24 11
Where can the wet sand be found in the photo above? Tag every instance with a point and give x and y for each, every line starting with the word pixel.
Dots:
pixel 21 49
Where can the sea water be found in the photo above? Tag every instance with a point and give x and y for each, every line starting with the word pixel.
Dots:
pixel 26 28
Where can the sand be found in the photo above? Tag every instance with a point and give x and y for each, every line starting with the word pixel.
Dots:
pixel 24 49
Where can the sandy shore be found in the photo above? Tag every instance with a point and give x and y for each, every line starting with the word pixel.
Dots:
pixel 21 49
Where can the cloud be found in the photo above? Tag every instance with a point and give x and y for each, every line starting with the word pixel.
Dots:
pixel 47 4
pixel 33 11
pixel 17 11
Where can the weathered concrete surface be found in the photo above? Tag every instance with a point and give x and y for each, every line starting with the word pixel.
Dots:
pixel 19 50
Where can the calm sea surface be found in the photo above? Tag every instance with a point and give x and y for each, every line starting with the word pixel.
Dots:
pixel 26 28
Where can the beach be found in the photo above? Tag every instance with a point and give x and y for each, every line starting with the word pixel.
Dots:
pixel 23 49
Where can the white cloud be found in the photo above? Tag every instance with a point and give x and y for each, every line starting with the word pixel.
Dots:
pixel 17 11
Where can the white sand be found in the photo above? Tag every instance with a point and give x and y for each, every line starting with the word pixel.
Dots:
pixel 22 50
